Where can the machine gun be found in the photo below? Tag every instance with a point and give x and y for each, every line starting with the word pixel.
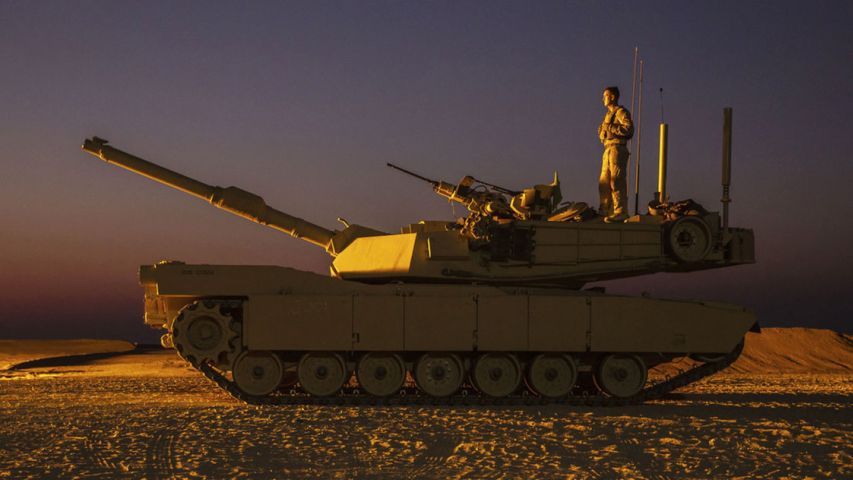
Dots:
pixel 486 203
pixel 475 194
pixel 486 199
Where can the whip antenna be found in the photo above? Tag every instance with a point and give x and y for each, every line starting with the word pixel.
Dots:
pixel 639 144
pixel 634 78
pixel 633 103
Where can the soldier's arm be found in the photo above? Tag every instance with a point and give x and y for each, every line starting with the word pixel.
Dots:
pixel 602 129
pixel 622 126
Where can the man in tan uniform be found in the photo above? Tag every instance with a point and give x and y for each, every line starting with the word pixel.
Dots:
pixel 614 132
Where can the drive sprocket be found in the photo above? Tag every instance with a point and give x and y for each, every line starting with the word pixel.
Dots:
pixel 205 332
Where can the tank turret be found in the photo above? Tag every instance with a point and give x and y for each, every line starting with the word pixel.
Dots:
pixel 509 237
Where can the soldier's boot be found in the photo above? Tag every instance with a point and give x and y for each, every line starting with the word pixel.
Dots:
pixel 617 218
pixel 619 193
pixel 605 208
pixel 618 215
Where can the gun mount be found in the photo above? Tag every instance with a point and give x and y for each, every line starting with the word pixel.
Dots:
pixel 489 200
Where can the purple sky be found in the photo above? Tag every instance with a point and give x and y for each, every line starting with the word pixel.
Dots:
pixel 304 103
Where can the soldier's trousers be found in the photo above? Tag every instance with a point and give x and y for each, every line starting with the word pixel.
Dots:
pixel 612 184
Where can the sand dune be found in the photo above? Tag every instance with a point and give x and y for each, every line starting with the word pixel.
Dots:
pixel 795 350
pixel 15 352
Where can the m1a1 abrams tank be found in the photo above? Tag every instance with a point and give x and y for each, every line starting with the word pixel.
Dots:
pixel 487 309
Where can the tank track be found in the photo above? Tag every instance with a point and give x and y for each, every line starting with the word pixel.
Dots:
pixel 469 397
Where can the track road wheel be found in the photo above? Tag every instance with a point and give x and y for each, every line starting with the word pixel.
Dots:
pixel 496 374
pixel 552 375
pixel 621 376
pixel 257 373
pixel 381 374
pixel 439 374
pixel 321 374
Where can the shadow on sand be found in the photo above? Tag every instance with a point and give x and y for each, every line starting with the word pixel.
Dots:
pixel 83 359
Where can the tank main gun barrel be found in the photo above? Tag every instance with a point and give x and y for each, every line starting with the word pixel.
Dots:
pixel 230 199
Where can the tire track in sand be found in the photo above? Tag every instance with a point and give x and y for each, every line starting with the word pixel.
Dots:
pixel 160 459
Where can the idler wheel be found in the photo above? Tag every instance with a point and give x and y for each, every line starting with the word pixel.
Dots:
pixel 257 373
pixel 439 374
pixel 689 239
pixel 321 374
pixel 381 374
pixel 552 375
pixel 621 376
pixel 708 357
pixel 718 357
pixel 496 374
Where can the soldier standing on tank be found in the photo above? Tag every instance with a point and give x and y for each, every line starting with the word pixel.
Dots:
pixel 614 133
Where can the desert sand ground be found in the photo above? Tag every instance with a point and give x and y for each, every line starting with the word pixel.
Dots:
pixel 782 411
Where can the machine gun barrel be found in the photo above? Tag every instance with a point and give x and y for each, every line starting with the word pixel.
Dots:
pixel 498 188
pixel 230 199
pixel 454 193
pixel 437 184
pixel 434 183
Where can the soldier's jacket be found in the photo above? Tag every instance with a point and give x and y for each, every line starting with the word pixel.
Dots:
pixel 617 127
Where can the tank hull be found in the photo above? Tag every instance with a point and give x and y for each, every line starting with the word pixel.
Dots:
pixel 289 315
pixel 288 309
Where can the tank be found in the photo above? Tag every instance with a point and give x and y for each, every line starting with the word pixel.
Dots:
pixel 489 308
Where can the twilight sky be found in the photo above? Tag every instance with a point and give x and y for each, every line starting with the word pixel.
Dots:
pixel 303 103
